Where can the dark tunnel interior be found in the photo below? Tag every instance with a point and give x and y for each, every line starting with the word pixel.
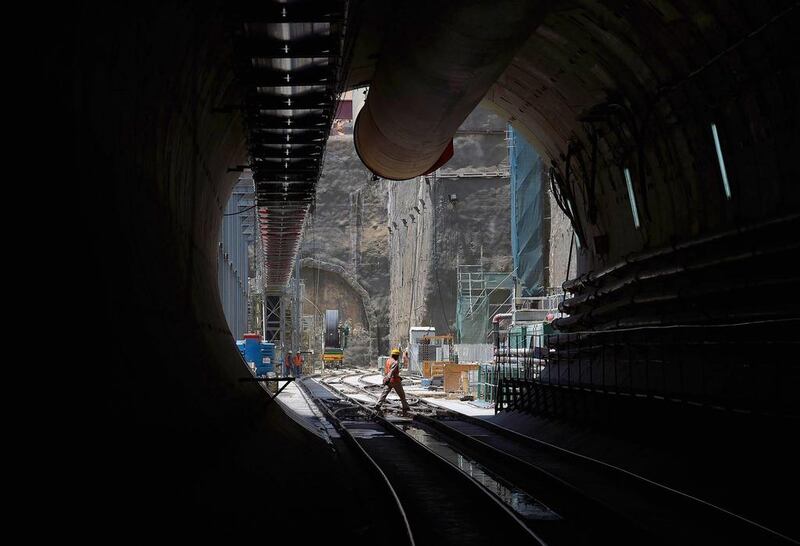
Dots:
pixel 629 95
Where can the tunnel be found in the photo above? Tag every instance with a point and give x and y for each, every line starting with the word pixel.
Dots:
pixel 669 132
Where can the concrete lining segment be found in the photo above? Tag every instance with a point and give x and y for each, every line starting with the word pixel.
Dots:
pixel 153 154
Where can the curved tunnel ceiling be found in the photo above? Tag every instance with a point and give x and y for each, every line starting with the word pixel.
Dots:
pixel 600 87
pixel 155 151
pixel 606 86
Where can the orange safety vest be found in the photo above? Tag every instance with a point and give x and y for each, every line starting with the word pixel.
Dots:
pixel 298 360
pixel 395 380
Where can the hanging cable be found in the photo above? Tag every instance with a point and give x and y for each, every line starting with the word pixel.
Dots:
pixel 241 211
pixel 564 196
pixel 569 265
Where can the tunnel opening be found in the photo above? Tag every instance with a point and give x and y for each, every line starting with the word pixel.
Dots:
pixel 669 129
pixel 185 445
pixel 327 289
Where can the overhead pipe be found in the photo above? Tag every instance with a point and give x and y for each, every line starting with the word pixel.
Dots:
pixel 501 316
pixel 436 64
pixel 496 328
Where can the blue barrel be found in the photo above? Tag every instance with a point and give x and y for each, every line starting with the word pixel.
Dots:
pixel 252 348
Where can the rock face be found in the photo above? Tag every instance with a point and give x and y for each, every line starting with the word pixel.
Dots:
pixel 385 253
pixel 558 237
pixel 438 222
pixel 443 233
pixel 345 260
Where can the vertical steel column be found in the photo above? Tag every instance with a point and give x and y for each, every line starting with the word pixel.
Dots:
pixel 235 273
pixel 264 314
pixel 233 260
pixel 272 324
pixel 241 312
pixel 282 322
pixel 296 305
pixel 246 269
pixel 237 285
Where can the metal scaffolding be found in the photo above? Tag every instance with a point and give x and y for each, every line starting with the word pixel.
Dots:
pixel 235 239
pixel 481 295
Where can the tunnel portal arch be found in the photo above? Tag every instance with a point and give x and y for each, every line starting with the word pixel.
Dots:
pixel 370 314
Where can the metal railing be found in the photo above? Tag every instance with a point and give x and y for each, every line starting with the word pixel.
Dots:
pixel 738 368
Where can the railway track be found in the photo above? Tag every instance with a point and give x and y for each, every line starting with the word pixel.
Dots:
pixel 577 500
pixel 668 515
pixel 435 502
pixel 548 526
pixel 343 383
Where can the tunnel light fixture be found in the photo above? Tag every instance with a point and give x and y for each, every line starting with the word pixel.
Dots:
pixel 631 197
pixel 721 160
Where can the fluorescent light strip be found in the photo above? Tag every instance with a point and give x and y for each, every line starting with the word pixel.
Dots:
pixel 721 162
pixel 631 198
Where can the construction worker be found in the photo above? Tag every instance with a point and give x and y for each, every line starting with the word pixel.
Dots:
pixel 392 380
pixel 287 362
pixel 547 331
pixel 387 366
pixel 298 364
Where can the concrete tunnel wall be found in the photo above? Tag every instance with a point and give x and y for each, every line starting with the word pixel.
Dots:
pixel 184 444
pixel 671 69
pixel 153 156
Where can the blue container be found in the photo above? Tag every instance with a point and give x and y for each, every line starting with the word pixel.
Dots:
pixel 240 346
pixel 267 356
pixel 252 348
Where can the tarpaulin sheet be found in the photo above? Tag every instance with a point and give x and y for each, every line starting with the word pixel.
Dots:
pixel 472 325
pixel 526 214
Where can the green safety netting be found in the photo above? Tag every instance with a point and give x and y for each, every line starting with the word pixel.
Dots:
pixel 526 214
pixel 472 325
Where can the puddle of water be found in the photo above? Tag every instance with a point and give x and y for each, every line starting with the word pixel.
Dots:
pixel 516 499
pixel 364 433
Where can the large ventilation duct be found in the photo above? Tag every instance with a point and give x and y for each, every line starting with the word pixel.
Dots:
pixel 437 63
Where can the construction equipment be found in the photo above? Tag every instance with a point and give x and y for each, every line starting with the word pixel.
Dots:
pixel 333 353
